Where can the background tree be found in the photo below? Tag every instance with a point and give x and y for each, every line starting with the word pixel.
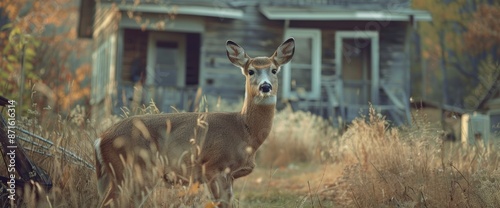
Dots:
pixel 40 44
pixel 483 40
pixel 483 35
pixel 451 70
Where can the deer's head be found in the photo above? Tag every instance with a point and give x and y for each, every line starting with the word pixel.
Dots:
pixel 261 72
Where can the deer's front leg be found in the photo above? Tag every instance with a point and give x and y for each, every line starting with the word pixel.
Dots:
pixel 221 187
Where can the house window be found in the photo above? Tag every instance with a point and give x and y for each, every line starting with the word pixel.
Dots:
pixel 301 77
pixel 495 123
pixel 102 59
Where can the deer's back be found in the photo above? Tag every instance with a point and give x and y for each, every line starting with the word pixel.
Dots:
pixel 221 137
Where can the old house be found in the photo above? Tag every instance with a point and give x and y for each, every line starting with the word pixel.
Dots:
pixel 349 53
pixel 482 126
pixel 478 123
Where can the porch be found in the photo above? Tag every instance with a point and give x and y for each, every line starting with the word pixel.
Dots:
pixel 159 66
pixel 340 74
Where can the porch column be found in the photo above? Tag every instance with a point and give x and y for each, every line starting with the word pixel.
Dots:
pixel 375 69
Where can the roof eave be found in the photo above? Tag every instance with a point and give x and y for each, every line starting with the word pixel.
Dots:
pixel 337 14
pixel 186 10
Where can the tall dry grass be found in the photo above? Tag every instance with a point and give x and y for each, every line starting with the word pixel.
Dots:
pixel 296 137
pixel 383 166
pixel 73 182
pixel 412 167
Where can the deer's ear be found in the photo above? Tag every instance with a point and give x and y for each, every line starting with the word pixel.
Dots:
pixel 285 51
pixel 236 54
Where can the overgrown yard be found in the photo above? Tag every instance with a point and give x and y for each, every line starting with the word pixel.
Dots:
pixel 306 163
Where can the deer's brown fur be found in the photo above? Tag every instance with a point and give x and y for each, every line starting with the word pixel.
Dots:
pixel 213 148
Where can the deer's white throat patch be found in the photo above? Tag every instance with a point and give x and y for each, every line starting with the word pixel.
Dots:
pixel 97 146
pixel 265 100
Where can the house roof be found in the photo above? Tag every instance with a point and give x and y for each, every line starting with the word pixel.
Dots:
pixel 362 10
pixel 333 13
pixel 182 7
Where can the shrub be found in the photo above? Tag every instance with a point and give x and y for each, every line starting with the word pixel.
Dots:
pixel 296 137
pixel 411 168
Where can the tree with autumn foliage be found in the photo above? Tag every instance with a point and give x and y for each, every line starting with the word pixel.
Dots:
pixel 483 35
pixel 44 66
pixel 483 39
pixel 457 45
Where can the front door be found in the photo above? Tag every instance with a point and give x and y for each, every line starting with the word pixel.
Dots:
pixel 357 63
pixel 166 68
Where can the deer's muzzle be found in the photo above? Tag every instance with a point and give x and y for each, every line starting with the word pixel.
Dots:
pixel 265 87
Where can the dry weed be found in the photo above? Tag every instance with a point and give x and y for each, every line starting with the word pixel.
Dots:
pixel 383 166
pixel 296 137
pixel 388 167
pixel 74 185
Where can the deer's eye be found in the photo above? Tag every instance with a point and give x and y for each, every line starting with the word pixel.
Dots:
pixel 274 71
pixel 251 72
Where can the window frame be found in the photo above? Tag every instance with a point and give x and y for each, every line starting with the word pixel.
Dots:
pixel 103 65
pixel 373 36
pixel 315 92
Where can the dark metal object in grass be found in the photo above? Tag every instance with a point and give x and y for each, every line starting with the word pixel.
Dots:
pixel 18 163
pixel 26 171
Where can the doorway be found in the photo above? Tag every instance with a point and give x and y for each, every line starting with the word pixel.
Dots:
pixel 357 63
pixel 166 70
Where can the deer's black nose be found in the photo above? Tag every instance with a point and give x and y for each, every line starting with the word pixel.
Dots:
pixel 266 87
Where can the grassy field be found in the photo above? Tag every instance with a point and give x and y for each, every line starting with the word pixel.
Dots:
pixel 304 163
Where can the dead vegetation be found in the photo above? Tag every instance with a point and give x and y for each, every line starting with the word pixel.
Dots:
pixel 411 167
pixel 370 165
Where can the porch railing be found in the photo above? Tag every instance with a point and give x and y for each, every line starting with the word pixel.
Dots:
pixel 166 99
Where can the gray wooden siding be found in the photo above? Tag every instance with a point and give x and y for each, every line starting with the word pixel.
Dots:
pixel 101 12
pixel 105 25
pixel 260 37
pixel 357 4
pixel 135 43
pixel 354 4
pixel 393 63
pixel 257 35
pixel 104 15
pixel 393 57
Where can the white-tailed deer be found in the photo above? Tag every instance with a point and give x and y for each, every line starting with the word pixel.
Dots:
pixel 213 148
